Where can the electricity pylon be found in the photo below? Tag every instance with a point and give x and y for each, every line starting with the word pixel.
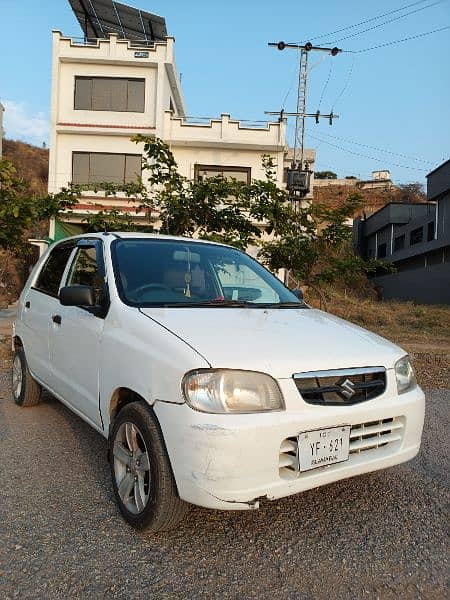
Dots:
pixel 302 89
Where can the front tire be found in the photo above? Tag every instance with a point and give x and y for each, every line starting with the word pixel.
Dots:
pixel 25 390
pixel 141 474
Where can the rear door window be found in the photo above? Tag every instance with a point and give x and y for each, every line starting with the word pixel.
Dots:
pixel 49 279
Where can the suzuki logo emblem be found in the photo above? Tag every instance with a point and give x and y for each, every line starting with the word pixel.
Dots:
pixel 348 388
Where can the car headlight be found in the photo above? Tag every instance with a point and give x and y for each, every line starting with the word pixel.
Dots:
pixel 229 391
pixel 404 374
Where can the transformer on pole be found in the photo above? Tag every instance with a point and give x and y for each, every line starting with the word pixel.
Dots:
pixel 299 175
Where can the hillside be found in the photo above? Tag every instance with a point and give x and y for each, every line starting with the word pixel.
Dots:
pixel 373 199
pixel 31 163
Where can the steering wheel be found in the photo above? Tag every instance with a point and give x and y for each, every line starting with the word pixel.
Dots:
pixel 148 286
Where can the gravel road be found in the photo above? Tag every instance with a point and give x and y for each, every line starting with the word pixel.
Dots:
pixel 377 536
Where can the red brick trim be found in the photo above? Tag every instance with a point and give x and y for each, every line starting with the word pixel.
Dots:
pixel 95 207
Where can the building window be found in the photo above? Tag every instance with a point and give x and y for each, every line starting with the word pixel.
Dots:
pixel 99 167
pixel 109 93
pixel 430 231
pixel 416 236
pixel 382 250
pixel 206 171
pixel 399 242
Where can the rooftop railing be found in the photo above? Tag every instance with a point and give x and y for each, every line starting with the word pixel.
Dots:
pixel 81 41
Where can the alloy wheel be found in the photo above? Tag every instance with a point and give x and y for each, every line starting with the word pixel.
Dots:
pixel 131 467
pixel 17 377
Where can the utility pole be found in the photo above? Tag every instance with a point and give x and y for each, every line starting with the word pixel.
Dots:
pixel 299 174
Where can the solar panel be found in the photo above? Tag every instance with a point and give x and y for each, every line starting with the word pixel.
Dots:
pixel 99 18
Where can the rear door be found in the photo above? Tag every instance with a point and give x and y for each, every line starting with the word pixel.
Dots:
pixel 40 303
pixel 75 340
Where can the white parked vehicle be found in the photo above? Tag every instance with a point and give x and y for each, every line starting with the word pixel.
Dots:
pixel 213 383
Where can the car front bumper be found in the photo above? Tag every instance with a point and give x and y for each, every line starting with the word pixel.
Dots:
pixel 231 462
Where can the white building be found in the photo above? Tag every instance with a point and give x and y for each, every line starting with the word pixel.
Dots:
pixel 105 90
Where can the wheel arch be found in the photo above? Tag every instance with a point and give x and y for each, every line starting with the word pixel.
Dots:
pixel 120 398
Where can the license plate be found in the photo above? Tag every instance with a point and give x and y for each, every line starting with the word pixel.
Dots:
pixel 323 447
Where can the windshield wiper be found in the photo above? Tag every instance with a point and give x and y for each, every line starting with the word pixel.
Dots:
pixel 283 305
pixel 230 304
pixel 200 304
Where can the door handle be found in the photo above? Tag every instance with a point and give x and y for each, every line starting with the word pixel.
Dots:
pixel 56 319
pixel 27 304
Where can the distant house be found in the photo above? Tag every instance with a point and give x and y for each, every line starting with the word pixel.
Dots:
pixel 416 238
pixel 380 180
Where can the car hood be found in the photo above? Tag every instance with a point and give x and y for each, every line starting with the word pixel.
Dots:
pixel 276 341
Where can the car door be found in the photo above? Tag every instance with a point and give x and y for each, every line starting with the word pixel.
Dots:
pixel 39 304
pixel 75 337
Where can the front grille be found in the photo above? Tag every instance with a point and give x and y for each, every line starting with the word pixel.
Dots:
pixel 341 387
pixel 363 437
pixel 375 434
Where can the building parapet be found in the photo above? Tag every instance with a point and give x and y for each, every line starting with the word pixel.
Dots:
pixel 223 131
pixel 114 48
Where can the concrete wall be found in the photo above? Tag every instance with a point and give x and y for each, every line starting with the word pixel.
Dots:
pixel 438 181
pixel 430 285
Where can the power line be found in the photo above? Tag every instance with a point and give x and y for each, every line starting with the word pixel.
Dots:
pixel 386 22
pixel 347 81
pixel 326 83
pixel 365 155
pixel 391 12
pixel 413 37
pixel 294 76
pixel 378 149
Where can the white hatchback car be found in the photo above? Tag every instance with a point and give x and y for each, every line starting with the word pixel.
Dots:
pixel 213 383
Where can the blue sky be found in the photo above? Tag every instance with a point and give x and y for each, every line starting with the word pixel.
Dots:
pixel 396 100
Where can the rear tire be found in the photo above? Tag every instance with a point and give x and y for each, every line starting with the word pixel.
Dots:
pixel 25 390
pixel 141 474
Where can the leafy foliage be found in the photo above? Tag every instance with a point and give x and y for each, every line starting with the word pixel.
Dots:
pixel 311 241
pixel 411 192
pixel 325 175
pixel 19 212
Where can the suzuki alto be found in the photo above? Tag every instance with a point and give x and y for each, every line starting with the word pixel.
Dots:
pixel 213 383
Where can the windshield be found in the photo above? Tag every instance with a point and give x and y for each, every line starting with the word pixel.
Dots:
pixel 158 272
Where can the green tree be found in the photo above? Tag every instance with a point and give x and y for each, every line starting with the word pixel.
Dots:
pixel 311 241
pixel 325 175
pixel 19 212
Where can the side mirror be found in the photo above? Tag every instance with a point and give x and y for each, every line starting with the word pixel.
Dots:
pixel 77 295
pixel 298 293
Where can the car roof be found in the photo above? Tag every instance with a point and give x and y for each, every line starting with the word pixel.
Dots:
pixel 139 235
